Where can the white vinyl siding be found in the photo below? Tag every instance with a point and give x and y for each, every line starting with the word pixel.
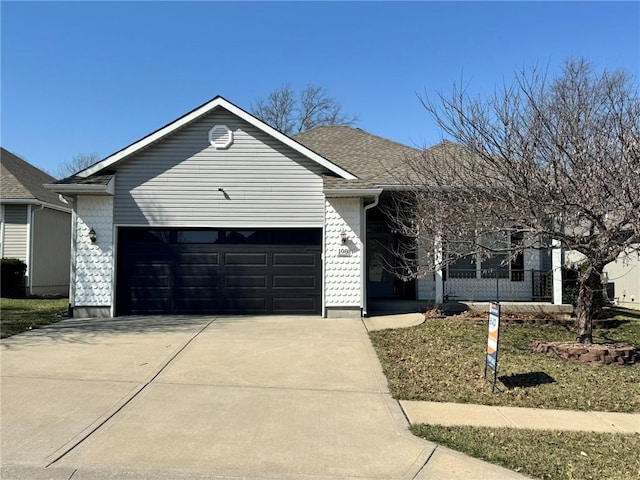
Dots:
pixel 14 243
pixel 177 181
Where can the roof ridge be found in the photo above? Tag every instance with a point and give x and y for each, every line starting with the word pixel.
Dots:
pixel 362 130
pixel 26 181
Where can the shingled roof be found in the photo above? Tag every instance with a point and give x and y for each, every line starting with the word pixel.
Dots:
pixel 374 160
pixel 22 181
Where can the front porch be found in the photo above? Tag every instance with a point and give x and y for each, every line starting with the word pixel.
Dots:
pixel 533 278
pixel 396 307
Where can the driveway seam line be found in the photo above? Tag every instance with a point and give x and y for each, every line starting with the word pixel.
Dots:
pixel 129 398
pixel 68 379
pixel 273 387
pixel 424 466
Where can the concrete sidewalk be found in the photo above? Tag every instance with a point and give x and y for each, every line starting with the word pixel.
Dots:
pixel 402 320
pixel 450 414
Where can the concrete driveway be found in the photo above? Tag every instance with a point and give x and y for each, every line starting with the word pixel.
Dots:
pixel 260 397
pixel 205 397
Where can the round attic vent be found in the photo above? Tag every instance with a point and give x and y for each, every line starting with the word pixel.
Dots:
pixel 220 137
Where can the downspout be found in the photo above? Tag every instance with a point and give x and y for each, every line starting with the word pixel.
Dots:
pixel 363 260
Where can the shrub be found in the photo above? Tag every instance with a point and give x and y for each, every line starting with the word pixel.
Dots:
pixel 12 272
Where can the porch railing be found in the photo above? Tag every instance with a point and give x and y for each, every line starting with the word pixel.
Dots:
pixel 501 284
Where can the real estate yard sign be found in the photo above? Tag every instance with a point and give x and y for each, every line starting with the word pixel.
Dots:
pixel 492 343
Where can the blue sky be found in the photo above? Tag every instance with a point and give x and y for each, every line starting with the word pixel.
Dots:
pixel 83 77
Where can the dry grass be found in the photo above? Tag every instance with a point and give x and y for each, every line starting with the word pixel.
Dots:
pixel 544 454
pixel 443 361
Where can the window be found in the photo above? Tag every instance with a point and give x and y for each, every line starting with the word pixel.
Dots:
pixel 464 267
pixel 197 236
pixel 517 263
pixel 496 266
pixel 300 236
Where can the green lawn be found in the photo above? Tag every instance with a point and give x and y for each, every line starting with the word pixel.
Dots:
pixel 20 315
pixel 443 361
pixel 548 455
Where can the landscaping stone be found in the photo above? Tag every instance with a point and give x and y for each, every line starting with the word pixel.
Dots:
pixel 601 354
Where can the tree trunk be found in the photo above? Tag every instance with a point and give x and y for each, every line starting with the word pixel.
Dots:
pixel 590 288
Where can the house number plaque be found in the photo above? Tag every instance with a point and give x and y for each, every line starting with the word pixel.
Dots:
pixel 344 252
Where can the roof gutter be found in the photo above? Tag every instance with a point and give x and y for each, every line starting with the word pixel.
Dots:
pixel 34 201
pixel 81 188
pixel 353 192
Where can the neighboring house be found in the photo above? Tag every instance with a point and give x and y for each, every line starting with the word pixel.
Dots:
pixel 217 212
pixel 623 277
pixel 35 226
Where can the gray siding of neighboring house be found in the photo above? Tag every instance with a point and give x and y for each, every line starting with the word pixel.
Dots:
pixel 175 183
pixel 14 243
pixel 51 252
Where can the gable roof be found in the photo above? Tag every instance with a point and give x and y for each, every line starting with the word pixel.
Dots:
pixel 215 103
pixel 376 161
pixel 21 182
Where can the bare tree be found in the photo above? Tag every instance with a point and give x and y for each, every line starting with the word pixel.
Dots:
pixel 77 163
pixel 556 159
pixel 291 112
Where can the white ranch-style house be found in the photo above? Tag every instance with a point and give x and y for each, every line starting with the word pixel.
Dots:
pixel 217 212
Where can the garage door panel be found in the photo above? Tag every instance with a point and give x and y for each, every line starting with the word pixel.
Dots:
pixel 294 282
pixel 217 278
pixel 294 304
pixel 294 259
pixel 196 306
pixel 138 292
pixel 246 259
pixel 195 258
pixel 245 281
pixel 149 281
pixel 155 305
pixel 194 270
pixel 210 281
pixel 198 292
pixel 138 268
pixel 247 304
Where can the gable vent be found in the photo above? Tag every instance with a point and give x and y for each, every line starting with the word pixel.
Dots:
pixel 220 137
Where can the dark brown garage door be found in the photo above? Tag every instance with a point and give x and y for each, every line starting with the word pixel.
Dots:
pixel 180 271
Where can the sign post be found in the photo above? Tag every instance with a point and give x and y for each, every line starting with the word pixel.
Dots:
pixel 492 343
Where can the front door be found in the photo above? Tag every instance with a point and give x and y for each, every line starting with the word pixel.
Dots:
pixel 382 263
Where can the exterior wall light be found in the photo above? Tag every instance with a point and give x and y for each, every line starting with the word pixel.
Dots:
pixel 344 237
pixel 92 236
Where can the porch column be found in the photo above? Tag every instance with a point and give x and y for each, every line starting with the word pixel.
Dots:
pixel 556 268
pixel 438 274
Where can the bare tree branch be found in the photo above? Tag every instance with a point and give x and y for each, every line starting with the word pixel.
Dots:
pixel 292 113
pixel 556 158
pixel 77 163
